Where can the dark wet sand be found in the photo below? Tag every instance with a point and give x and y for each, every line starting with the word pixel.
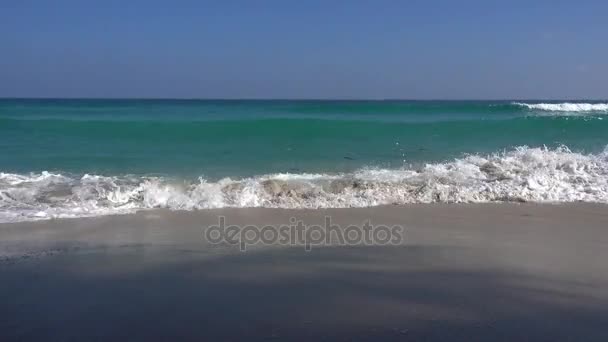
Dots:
pixel 464 273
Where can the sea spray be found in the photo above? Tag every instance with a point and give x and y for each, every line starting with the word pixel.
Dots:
pixel 523 174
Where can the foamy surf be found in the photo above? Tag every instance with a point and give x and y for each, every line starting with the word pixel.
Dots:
pixel 521 175
pixel 566 107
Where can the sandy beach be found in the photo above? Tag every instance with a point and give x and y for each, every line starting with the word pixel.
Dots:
pixel 498 272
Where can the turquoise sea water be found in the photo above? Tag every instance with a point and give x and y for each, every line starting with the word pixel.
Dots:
pixel 187 142
pixel 246 138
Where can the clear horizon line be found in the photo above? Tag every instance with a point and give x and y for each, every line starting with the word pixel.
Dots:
pixel 292 99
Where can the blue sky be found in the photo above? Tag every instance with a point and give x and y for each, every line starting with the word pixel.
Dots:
pixel 304 49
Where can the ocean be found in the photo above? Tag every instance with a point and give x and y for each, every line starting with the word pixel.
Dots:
pixel 80 157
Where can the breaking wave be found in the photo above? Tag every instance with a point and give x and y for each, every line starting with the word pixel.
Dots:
pixel 570 107
pixel 520 175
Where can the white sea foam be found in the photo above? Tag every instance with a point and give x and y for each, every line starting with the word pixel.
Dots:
pixel 566 107
pixel 522 175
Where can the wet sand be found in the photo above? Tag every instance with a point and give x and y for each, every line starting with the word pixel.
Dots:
pixel 499 272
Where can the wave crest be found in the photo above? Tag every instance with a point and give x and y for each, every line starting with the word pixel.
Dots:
pixel 566 107
pixel 522 175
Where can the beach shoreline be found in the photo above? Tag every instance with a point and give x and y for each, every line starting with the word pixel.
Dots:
pixel 463 272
